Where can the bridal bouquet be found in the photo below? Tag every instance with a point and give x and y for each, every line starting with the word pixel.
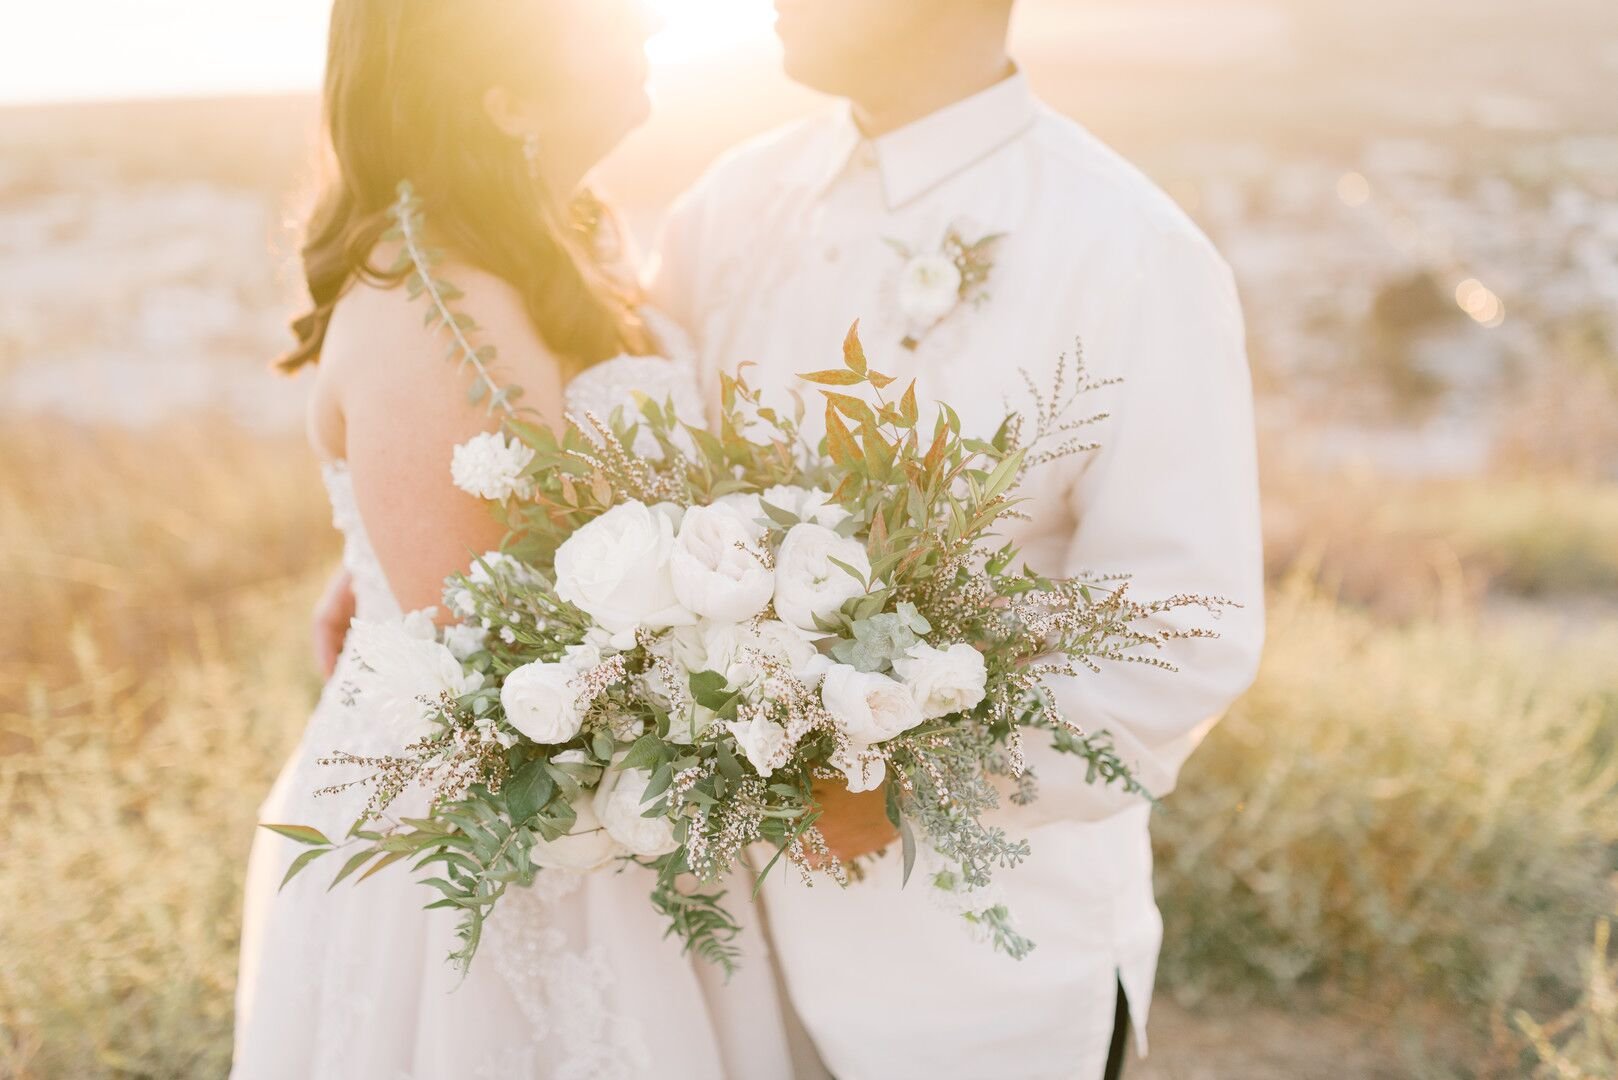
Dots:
pixel 690 627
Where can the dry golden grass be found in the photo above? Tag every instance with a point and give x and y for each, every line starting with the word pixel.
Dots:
pixel 1398 814
pixel 1425 807
pixel 154 676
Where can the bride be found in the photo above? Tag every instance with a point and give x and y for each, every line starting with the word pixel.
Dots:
pixel 494 110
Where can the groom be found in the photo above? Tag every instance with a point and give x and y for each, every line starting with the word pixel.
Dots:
pixel 943 161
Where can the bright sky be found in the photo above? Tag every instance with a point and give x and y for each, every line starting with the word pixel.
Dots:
pixel 65 50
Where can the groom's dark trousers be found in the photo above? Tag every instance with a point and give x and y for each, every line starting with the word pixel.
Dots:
pixel 1120 1037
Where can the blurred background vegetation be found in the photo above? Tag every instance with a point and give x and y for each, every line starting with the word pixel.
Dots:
pixel 1394 858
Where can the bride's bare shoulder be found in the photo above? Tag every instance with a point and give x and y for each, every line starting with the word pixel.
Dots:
pixel 379 339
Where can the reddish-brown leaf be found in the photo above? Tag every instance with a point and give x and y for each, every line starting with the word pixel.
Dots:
pixel 851 407
pixel 907 404
pixel 844 451
pixel 853 351
pixel 833 377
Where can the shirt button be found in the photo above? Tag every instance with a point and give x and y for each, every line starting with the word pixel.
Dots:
pixel 867 156
pixel 833 254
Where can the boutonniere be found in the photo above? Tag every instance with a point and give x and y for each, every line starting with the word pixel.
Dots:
pixel 933 284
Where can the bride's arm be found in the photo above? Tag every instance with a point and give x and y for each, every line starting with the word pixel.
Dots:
pixel 406 408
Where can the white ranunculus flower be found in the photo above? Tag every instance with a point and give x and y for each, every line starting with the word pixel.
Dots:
pixel 587 846
pixel 807 504
pixel 870 707
pixel 403 676
pixel 541 701
pixel 616 569
pixel 763 742
pixel 620 801
pixel 808 583
pixel 463 641
pixel 944 681
pixel 490 467
pixel 861 773
pixel 718 571
pixel 929 288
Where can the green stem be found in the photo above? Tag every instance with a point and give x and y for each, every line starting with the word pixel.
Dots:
pixel 407 228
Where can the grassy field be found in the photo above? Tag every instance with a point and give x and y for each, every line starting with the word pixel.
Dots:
pixel 1412 815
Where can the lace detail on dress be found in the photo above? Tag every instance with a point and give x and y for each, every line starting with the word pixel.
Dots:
pixel 621 382
pixel 565 995
pixel 372 594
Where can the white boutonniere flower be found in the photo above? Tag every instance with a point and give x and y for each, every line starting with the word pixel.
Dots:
pixel 934 284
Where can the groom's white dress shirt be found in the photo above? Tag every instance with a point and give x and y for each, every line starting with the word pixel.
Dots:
pixel 770 259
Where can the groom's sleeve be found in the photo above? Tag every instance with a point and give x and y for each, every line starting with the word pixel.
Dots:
pixel 1170 499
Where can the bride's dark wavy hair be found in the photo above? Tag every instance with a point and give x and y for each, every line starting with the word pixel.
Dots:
pixel 405 83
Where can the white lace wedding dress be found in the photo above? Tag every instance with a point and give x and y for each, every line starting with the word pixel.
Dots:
pixel 574 979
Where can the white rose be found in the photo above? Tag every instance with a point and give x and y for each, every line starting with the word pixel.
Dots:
pixel 806 504
pixel 718 572
pixel 861 771
pixel 735 650
pixel 808 583
pixel 763 742
pixel 489 467
pixel 541 702
pixel 621 801
pixel 792 647
pixel 587 846
pixel 464 641
pixel 944 681
pixel 403 677
pixel 929 288
pixel 616 570
pixel 746 507
pixel 685 647
pixel 869 706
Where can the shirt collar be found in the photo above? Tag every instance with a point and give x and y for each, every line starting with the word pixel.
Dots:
pixel 922 155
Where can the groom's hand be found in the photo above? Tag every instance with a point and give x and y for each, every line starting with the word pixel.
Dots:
pixel 853 825
pixel 333 614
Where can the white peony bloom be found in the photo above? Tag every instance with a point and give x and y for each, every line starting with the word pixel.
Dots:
pixel 616 569
pixel 807 504
pixel 403 677
pixel 541 701
pixel 861 772
pixel 718 571
pixel 869 706
pixel 490 467
pixel 944 681
pixel 621 801
pixel 808 583
pixel 763 742
pixel 587 846
pixel 929 288
pixel 464 641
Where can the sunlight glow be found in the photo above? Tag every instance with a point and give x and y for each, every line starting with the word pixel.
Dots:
pixel 696 29
pixel 190 47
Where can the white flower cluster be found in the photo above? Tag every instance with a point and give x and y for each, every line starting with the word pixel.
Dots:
pixel 490 466
pixel 746 590
pixel 702 579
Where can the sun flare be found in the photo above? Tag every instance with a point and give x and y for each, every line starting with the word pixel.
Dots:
pixel 693 29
